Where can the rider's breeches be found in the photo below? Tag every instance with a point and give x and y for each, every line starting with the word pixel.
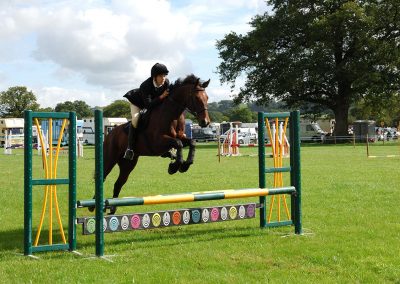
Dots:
pixel 135 115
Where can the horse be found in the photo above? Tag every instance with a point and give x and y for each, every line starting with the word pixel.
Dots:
pixel 165 131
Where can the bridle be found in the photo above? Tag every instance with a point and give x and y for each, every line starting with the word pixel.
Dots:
pixel 191 95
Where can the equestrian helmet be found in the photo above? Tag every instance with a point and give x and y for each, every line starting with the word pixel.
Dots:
pixel 159 69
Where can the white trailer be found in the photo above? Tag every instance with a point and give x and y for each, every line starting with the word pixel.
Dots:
pixel 108 124
pixel 14 129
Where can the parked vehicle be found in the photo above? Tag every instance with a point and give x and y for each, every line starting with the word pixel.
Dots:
pixel 312 132
pixel 203 134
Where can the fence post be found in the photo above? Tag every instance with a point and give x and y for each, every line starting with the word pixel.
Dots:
pixel 99 182
pixel 295 164
pixel 261 168
pixel 72 181
pixel 28 183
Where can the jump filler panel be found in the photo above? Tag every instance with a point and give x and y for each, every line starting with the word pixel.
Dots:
pixel 169 218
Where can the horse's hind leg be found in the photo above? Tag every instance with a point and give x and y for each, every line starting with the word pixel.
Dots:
pixel 125 168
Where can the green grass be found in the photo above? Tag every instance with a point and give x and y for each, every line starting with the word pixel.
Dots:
pixel 351 208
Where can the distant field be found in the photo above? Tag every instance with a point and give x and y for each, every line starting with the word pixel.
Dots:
pixel 351 209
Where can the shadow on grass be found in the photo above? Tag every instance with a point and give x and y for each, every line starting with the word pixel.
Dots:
pixel 176 236
pixel 13 240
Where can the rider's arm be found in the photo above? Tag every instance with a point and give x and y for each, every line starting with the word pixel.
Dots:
pixel 152 101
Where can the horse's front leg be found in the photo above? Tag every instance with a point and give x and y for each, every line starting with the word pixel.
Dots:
pixel 190 157
pixel 174 167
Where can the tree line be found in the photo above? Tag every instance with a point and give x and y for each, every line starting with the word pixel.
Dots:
pixel 16 99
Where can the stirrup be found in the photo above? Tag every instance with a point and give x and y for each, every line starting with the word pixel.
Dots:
pixel 129 154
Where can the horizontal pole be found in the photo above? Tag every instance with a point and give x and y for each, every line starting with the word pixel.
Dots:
pixel 54 247
pixel 276 115
pixel 279 223
pixel 56 115
pixel 199 196
pixel 277 170
pixel 50 181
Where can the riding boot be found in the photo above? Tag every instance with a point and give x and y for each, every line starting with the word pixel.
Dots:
pixel 131 143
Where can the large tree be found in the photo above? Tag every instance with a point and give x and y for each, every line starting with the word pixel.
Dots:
pixel 119 108
pixel 15 100
pixel 330 53
pixel 81 108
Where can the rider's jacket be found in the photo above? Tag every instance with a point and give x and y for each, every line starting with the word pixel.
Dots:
pixel 147 96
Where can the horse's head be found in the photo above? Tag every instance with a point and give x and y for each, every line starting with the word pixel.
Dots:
pixel 198 105
pixel 193 98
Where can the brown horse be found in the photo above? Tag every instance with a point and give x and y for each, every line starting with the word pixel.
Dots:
pixel 165 130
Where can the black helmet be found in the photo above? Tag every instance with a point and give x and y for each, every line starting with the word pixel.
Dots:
pixel 159 69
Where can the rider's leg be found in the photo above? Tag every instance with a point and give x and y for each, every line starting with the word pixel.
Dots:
pixel 135 112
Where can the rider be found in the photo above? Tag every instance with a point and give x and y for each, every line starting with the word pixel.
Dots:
pixel 152 92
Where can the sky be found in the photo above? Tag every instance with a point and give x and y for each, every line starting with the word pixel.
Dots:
pixel 97 50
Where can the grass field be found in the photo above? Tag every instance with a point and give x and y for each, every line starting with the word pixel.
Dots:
pixel 351 209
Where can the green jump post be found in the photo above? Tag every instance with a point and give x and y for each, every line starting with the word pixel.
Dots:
pixel 28 182
pixel 261 168
pixel 99 182
pixel 295 174
pixel 72 182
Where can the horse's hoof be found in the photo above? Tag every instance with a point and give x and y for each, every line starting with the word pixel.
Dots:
pixel 113 209
pixel 173 168
pixel 91 208
pixel 184 167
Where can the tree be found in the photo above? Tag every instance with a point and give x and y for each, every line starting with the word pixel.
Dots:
pixel 241 113
pixel 329 53
pixel 15 100
pixel 81 108
pixel 118 108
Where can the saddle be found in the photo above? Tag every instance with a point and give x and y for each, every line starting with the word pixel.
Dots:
pixel 144 120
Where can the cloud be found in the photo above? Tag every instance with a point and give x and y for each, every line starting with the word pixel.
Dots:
pixel 109 46
pixel 46 96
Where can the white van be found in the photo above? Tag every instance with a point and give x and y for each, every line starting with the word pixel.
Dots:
pixel 311 131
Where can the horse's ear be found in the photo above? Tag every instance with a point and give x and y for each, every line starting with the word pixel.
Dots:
pixel 205 84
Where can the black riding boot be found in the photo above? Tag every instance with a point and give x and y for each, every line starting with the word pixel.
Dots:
pixel 131 143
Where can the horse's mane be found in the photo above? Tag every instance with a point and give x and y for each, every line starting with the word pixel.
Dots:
pixel 189 80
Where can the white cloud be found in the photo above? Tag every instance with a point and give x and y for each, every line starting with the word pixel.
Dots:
pixel 110 46
pixel 48 96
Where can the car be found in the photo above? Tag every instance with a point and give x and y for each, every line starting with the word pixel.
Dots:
pixel 203 134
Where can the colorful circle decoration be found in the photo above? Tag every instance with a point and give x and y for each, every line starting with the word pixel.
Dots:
pixel 104 224
pixel 135 221
pixel 224 213
pixel 124 222
pixel 186 217
pixel 146 220
pixel 232 212
pixel 176 218
pixel 195 216
pixel 113 223
pixel 156 220
pixel 242 212
pixel 251 210
pixel 205 215
pixel 214 214
pixel 166 219
pixel 91 225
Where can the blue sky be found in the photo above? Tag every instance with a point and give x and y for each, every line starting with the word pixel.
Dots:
pixel 97 50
